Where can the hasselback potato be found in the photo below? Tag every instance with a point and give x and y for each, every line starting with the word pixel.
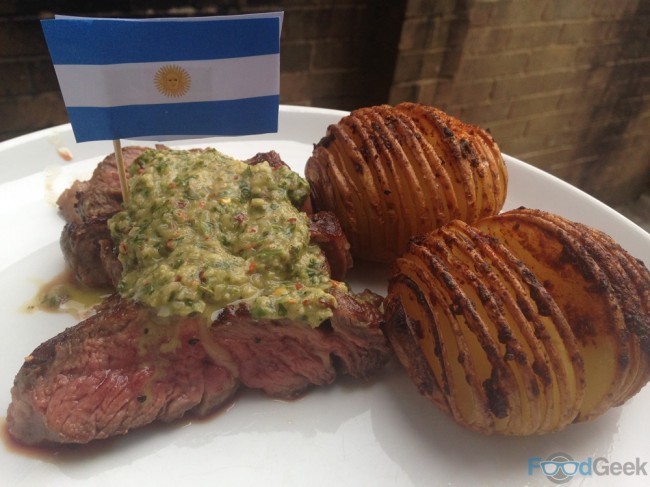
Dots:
pixel 392 172
pixel 521 323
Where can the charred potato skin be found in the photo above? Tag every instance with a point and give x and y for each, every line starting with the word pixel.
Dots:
pixel 391 172
pixel 551 358
pixel 601 289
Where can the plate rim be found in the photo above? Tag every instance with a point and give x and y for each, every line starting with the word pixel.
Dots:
pixel 515 163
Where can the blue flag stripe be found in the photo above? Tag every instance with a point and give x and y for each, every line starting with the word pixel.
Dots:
pixel 108 41
pixel 231 117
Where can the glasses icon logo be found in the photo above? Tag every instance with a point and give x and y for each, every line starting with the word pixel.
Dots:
pixel 559 468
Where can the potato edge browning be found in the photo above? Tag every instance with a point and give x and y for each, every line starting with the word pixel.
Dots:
pixel 367 181
pixel 437 135
pixel 391 160
pixel 622 289
pixel 583 292
pixel 448 359
pixel 474 152
pixel 496 378
pixel 459 161
pixel 538 249
pixel 599 265
pixel 513 354
pixel 405 346
pixel 625 291
pixel 637 315
pixel 630 285
pixel 343 196
pixel 418 279
pixel 548 315
pixel 404 170
pixel 429 195
pixel 551 350
pixel 489 150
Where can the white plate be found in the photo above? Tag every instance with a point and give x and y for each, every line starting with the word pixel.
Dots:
pixel 359 434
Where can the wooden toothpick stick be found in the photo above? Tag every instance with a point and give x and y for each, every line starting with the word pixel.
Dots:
pixel 117 146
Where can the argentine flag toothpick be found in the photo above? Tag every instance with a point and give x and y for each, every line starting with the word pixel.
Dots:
pixel 165 79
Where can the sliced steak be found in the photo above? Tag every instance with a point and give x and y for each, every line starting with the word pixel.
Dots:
pixel 272 157
pixel 101 195
pixel 124 367
pixel 88 249
pixel 326 232
pixel 86 245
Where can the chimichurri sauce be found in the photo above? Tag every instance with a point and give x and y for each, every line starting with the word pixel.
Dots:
pixel 202 230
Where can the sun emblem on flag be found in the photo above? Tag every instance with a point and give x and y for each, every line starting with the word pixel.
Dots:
pixel 172 80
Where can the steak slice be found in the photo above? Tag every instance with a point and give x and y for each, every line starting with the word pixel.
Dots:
pixel 101 195
pixel 125 367
pixel 326 232
pixel 87 245
pixel 88 249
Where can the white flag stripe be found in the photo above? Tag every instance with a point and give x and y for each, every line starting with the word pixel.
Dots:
pixel 135 83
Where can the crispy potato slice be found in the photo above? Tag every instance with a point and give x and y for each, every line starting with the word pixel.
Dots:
pixel 533 317
pixel 524 396
pixel 624 295
pixel 389 173
pixel 625 276
pixel 468 153
pixel 579 275
pixel 636 307
pixel 446 145
pixel 477 341
pixel 388 158
pixel 521 323
pixel 453 355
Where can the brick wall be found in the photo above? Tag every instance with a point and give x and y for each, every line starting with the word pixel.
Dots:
pixel 330 51
pixel 563 85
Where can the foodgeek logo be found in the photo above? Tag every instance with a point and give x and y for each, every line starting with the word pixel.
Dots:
pixel 560 468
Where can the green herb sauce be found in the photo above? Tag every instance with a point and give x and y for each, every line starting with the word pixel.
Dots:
pixel 202 230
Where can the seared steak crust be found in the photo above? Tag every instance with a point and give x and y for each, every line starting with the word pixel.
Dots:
pixel 87 245
pixel 91 381
pixel 101 195
pixel 124 367
pixel 326 232
pixel 88 249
